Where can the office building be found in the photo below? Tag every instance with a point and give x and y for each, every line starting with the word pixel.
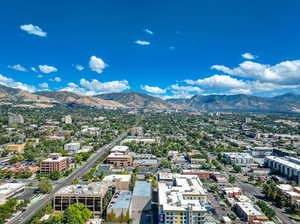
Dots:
pixel 250 213
pixel 119 159
pixel 183 201
pixel 91 195
pixel 55 163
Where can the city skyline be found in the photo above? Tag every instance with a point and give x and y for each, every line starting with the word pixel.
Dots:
pixel 172 49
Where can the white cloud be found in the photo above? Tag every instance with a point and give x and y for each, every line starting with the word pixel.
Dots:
pixel 44 85
pixel 9 82
pixel 47 69
pixel 95 87
pixel 217 82
pixel 33 69
pixel 183 91
pixel 97 64
pixel 79 67
pixel 149 31
pixel 39 76
pixel 142 42
pixel 18 67
pixel 248 56
pixel 35 30
pixel 286 72
pixel 153 89
pixel 56 79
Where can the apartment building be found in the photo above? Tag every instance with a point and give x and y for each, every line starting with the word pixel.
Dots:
pixel 15 119
pixel 287 166
pixel 72 147
pixel 183 201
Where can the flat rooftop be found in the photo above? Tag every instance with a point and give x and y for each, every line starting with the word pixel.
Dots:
pixel 142 189
pixel 187 191
pixel 146 161
pixel 56 159
pixel 250 209
pixel 8 188
pixel 121 199
pixel 120 148
pixel 95 189
pixel 117 177
pixel 286 161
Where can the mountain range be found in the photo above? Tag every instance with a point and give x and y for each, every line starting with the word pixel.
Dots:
pixel 134 100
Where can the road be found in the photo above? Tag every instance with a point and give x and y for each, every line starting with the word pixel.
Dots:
pixel 33 209
pixel 256 192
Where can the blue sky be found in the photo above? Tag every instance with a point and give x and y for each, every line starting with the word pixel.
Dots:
pixel 164 48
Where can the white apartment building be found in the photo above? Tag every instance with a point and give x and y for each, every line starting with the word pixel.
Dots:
pixel 72 147
pixel 183 201
pixel 15 119
pixel 239 159
pixel 287 166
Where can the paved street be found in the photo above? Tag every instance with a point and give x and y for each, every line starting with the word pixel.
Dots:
pixel 29 213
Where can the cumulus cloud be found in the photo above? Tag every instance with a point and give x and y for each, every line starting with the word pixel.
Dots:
pixel 18 67
pixel 153 89
pixel 9 82
pixel 248 56
pixel 230 85
pixel 44 85
pixel 149 31
pixel 142 42
pixel 47 69
pixel 79 67
pixel 55 79
pixel 286 72
pixel 95 87
pixel 217 82
pixel 97 64
pixel 34 30
pixel 183 91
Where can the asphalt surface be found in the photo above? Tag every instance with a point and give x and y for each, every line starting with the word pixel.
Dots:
pixel 33 209
pixel 256 192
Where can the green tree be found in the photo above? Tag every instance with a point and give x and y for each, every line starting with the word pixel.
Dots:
pixel 237 169
pixel 77 214
pixel 45 185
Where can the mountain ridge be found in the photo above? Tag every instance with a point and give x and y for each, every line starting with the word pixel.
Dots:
pixel 289 102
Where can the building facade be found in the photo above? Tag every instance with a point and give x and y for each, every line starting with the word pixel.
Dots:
pixel 286 166
pixel 55 163
pixel 183 201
